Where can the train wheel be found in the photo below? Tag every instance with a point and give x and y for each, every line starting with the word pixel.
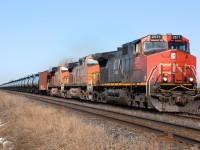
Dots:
pixel 67 94
pixel 103 98
pixel 95 96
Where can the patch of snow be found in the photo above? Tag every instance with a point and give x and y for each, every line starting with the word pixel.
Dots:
pixel 1 124
pixel 8 145
pixel 1 141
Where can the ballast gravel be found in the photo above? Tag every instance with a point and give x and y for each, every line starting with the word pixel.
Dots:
pixel 137 138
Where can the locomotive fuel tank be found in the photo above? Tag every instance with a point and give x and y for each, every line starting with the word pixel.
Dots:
pixel 118 96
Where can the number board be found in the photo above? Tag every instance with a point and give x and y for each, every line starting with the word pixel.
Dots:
pixel 176 37
pixel 156 36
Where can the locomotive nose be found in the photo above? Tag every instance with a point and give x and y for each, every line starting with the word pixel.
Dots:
pixel 177 66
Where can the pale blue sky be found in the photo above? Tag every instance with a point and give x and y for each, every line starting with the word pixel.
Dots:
pixel 38 34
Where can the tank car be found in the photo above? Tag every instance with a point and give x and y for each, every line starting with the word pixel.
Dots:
pixel 26 84
pixel 156 71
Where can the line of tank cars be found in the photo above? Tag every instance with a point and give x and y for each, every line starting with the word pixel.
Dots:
pixel 155 72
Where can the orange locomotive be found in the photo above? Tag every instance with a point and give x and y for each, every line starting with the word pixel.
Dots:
pixel 59 76
pixel 81 78
pixel 74 80
pixel 155 71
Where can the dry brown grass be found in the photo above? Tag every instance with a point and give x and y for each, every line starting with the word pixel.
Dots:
pixel 33 126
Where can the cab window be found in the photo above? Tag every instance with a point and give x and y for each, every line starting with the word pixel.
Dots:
pixel 179 45
pixel 137 48
pixel 154 46
pixel 92 61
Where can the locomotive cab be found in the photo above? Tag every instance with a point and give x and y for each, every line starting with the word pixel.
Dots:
pixel 171 55
pixel 170 72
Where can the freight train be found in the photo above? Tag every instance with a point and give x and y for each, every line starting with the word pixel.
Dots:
pixel 153 72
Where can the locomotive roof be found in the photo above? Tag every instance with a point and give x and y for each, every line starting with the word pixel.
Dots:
pixel 54 69
pixel 73 64
pixel 104 55
pixel 133 42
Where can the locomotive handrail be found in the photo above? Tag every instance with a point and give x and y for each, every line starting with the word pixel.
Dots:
pixel 178 87
pixel 193 70
pixel 149 79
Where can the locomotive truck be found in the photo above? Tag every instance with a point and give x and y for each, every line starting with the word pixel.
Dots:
pixel 153 72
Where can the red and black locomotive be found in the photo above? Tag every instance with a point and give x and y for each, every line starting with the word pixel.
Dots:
pixel 155 71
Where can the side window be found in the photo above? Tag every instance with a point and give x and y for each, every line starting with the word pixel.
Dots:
pixel 80 62
pixel 137 48
pixel 117 64
pixel 91 61
pixel 121 66
pixel 125 50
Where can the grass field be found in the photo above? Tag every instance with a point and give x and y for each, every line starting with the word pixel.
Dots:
pixel 32 126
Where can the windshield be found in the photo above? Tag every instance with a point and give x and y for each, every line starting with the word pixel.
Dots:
pixel 154 46
pixel 178 45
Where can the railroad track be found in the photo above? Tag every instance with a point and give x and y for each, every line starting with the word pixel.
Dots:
pixel 190 116
pixel 185 134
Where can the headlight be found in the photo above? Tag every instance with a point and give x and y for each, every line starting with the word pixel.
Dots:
pixel 165 79
pixel 191 79
pixel 173 55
